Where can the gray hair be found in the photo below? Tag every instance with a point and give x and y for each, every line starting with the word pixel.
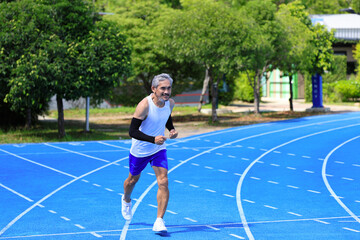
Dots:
pixel 161 77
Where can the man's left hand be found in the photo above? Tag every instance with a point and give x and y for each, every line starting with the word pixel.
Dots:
pixel 173 134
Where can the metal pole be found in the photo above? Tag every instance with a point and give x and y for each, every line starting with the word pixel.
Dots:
pixel 87 113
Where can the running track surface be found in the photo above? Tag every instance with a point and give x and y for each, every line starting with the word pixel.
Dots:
pixel 295 179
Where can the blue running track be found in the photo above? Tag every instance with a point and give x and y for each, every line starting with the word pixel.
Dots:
pixel 296 179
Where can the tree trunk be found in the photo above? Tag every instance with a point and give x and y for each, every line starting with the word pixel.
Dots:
pixel 257 93
pixel 291 94
pixel 28 118
pixel 205 86
pixel 61 121
pixel 214 98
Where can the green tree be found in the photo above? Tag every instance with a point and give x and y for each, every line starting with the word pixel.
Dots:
pixel 20 37
pixel 211 34
pixel 294 46
pixel 266 35
pixel 74 58
pixel 324 6
pixel 140 21
pixel 357 57
pixel 355 4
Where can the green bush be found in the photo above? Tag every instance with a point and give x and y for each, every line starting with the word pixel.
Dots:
pixel 347 90
pixel 243 89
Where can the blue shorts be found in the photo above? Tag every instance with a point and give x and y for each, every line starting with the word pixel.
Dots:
pixel 137 164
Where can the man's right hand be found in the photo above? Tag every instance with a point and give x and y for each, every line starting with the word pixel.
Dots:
pixel 159 140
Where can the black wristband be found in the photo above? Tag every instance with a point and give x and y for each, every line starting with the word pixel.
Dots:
pixel 134 131
pixel 169 124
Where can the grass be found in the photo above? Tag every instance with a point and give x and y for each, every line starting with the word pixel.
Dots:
pixel 113 124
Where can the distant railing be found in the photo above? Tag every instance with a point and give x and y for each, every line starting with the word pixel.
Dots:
pixel 347 33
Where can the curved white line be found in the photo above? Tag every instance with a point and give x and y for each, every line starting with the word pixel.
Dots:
pixel 323 173
pixel 127 223
pixel 53 192
pixel 238 190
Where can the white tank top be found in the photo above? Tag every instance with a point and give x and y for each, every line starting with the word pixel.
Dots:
pixel 153 125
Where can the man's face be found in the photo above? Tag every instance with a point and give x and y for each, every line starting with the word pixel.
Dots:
pixel 163 91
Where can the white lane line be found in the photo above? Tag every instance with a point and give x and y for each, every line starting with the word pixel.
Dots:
pixel 291 168
pixel 171 212
pixel 295 214
pixel 249 201
pixel 209 167
pixel 78 153
pixel 245 159
pixel 339 162
pixel 191 220
pixel 111 145
pixel 349 179
pixel 96 185
pixel 192 185
pixel 177 181
pixel 291 154
pixel 213 228
pixel 240 183
pixel 308 171
pixel 350 229
pixel 317 220
pixel 267 206
pixel 275 165
pixel 195 164
pixel 231 156
pixel 255 178
pixel 290 186
pixel 209 190
pixel 305 157
pixel 95 234
pixel 323 173
pixel 276 152
pixel 313 191
pixel 109 189
pixel 356 165
pixel 227 195
pixel 273 182
pixel 224 171
pixel 39 164
pixel 55 191
pixel 79 226
pixel 236 236
pixel 151 205
pixel 65 218
pixel 52 211
pixel 17 193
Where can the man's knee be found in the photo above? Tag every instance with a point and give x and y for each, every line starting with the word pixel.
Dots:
pixel 163 181
pixel 132 180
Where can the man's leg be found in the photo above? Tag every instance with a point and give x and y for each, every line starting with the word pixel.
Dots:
pixel 129 185
pixel 126 204
pixel 163 191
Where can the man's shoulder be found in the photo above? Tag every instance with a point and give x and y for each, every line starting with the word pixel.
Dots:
pixel 144 102
pixel 172 102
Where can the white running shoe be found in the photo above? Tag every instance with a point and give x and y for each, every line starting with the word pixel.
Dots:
pixel 126 209
pixel 159 226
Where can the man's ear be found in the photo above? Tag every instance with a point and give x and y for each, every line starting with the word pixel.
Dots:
pixel 153 88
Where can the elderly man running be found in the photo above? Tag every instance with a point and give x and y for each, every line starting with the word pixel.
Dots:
pixel 147 130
